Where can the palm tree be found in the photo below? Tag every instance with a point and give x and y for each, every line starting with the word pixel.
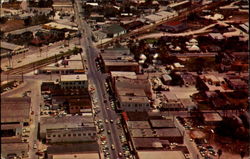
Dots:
pixel 219 153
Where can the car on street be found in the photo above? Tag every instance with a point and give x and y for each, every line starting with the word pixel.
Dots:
pixel 120 154
pixel 109 132
pixel 112 146
pixel 111 121
pixel 106 121
pixel 35 146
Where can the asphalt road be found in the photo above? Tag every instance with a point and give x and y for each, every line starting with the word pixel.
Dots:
pixel 98 80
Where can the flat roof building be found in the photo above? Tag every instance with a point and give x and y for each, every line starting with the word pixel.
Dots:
pixel 15 109
pixel 160 154
pixel 70 151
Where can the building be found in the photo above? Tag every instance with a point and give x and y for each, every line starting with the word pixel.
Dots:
pixel 15 110
pixel 188 104
pixel 122 83
pixel 67 129
pixel 166 79
pixel 180 6
pixel 173 26
pixel 9 49
pixel 237 84
pixel 118 61
pixel 11 150
pixel 73 65
pixel 77 81
pixel 171 102
pixel 115 74
pixel 114 30
pixel 133 25
pixel 77 106
pixel 211 118
pixel 179 67
pixel 148 132
pixel 73 151
pixel 62 5
pixel 160 154
pixel 188 79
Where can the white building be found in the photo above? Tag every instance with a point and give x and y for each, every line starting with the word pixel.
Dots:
pixel 74 81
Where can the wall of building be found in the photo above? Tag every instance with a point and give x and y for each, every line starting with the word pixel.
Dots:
pixel 134 107
pixel 75 136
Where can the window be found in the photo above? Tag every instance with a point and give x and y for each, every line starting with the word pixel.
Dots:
pixel 59 135
pixel 48 135
pixel 54 135
pixel 94 134
pixel 89 134
pixel 84 134
pixel 64 135
pixel 79 134
pixel 69 135
pixel 74 134
pixel 81 107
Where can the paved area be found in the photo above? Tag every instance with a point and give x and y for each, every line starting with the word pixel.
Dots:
pixel 35 54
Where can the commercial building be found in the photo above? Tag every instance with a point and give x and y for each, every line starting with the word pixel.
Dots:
pixel 150 132
pixel 160 154
pixel 11 150
pixel 15 110
pixel 211 118
pixel 67 129
pixel 171 102
pixel 9 49
pixel 73 151
pixel 118 61
pixel 73 65
pixel 62 5
pixel 77 81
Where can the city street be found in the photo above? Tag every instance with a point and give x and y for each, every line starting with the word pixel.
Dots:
pixel 98 80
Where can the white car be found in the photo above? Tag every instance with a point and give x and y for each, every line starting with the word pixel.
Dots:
pixel 35 146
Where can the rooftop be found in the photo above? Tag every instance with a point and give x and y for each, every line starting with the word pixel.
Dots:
pixel 76 77
pixel 162 123
pixel 212 117
pixel 134 99
pixel 131 75
pixel 66 122
pixel 10 46
pixel 142 143
pixel 130 92
pixel 9 148
pixel 160 154
pixel 120 63
pixel 138 124
pixel 15 109
pixel 73 148
pixel 170 96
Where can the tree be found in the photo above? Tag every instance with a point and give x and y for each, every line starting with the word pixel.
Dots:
pixel 27 21
pixel 219 153
pixel 242 154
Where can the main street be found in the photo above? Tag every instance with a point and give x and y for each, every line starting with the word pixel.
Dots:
pixel 98 80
